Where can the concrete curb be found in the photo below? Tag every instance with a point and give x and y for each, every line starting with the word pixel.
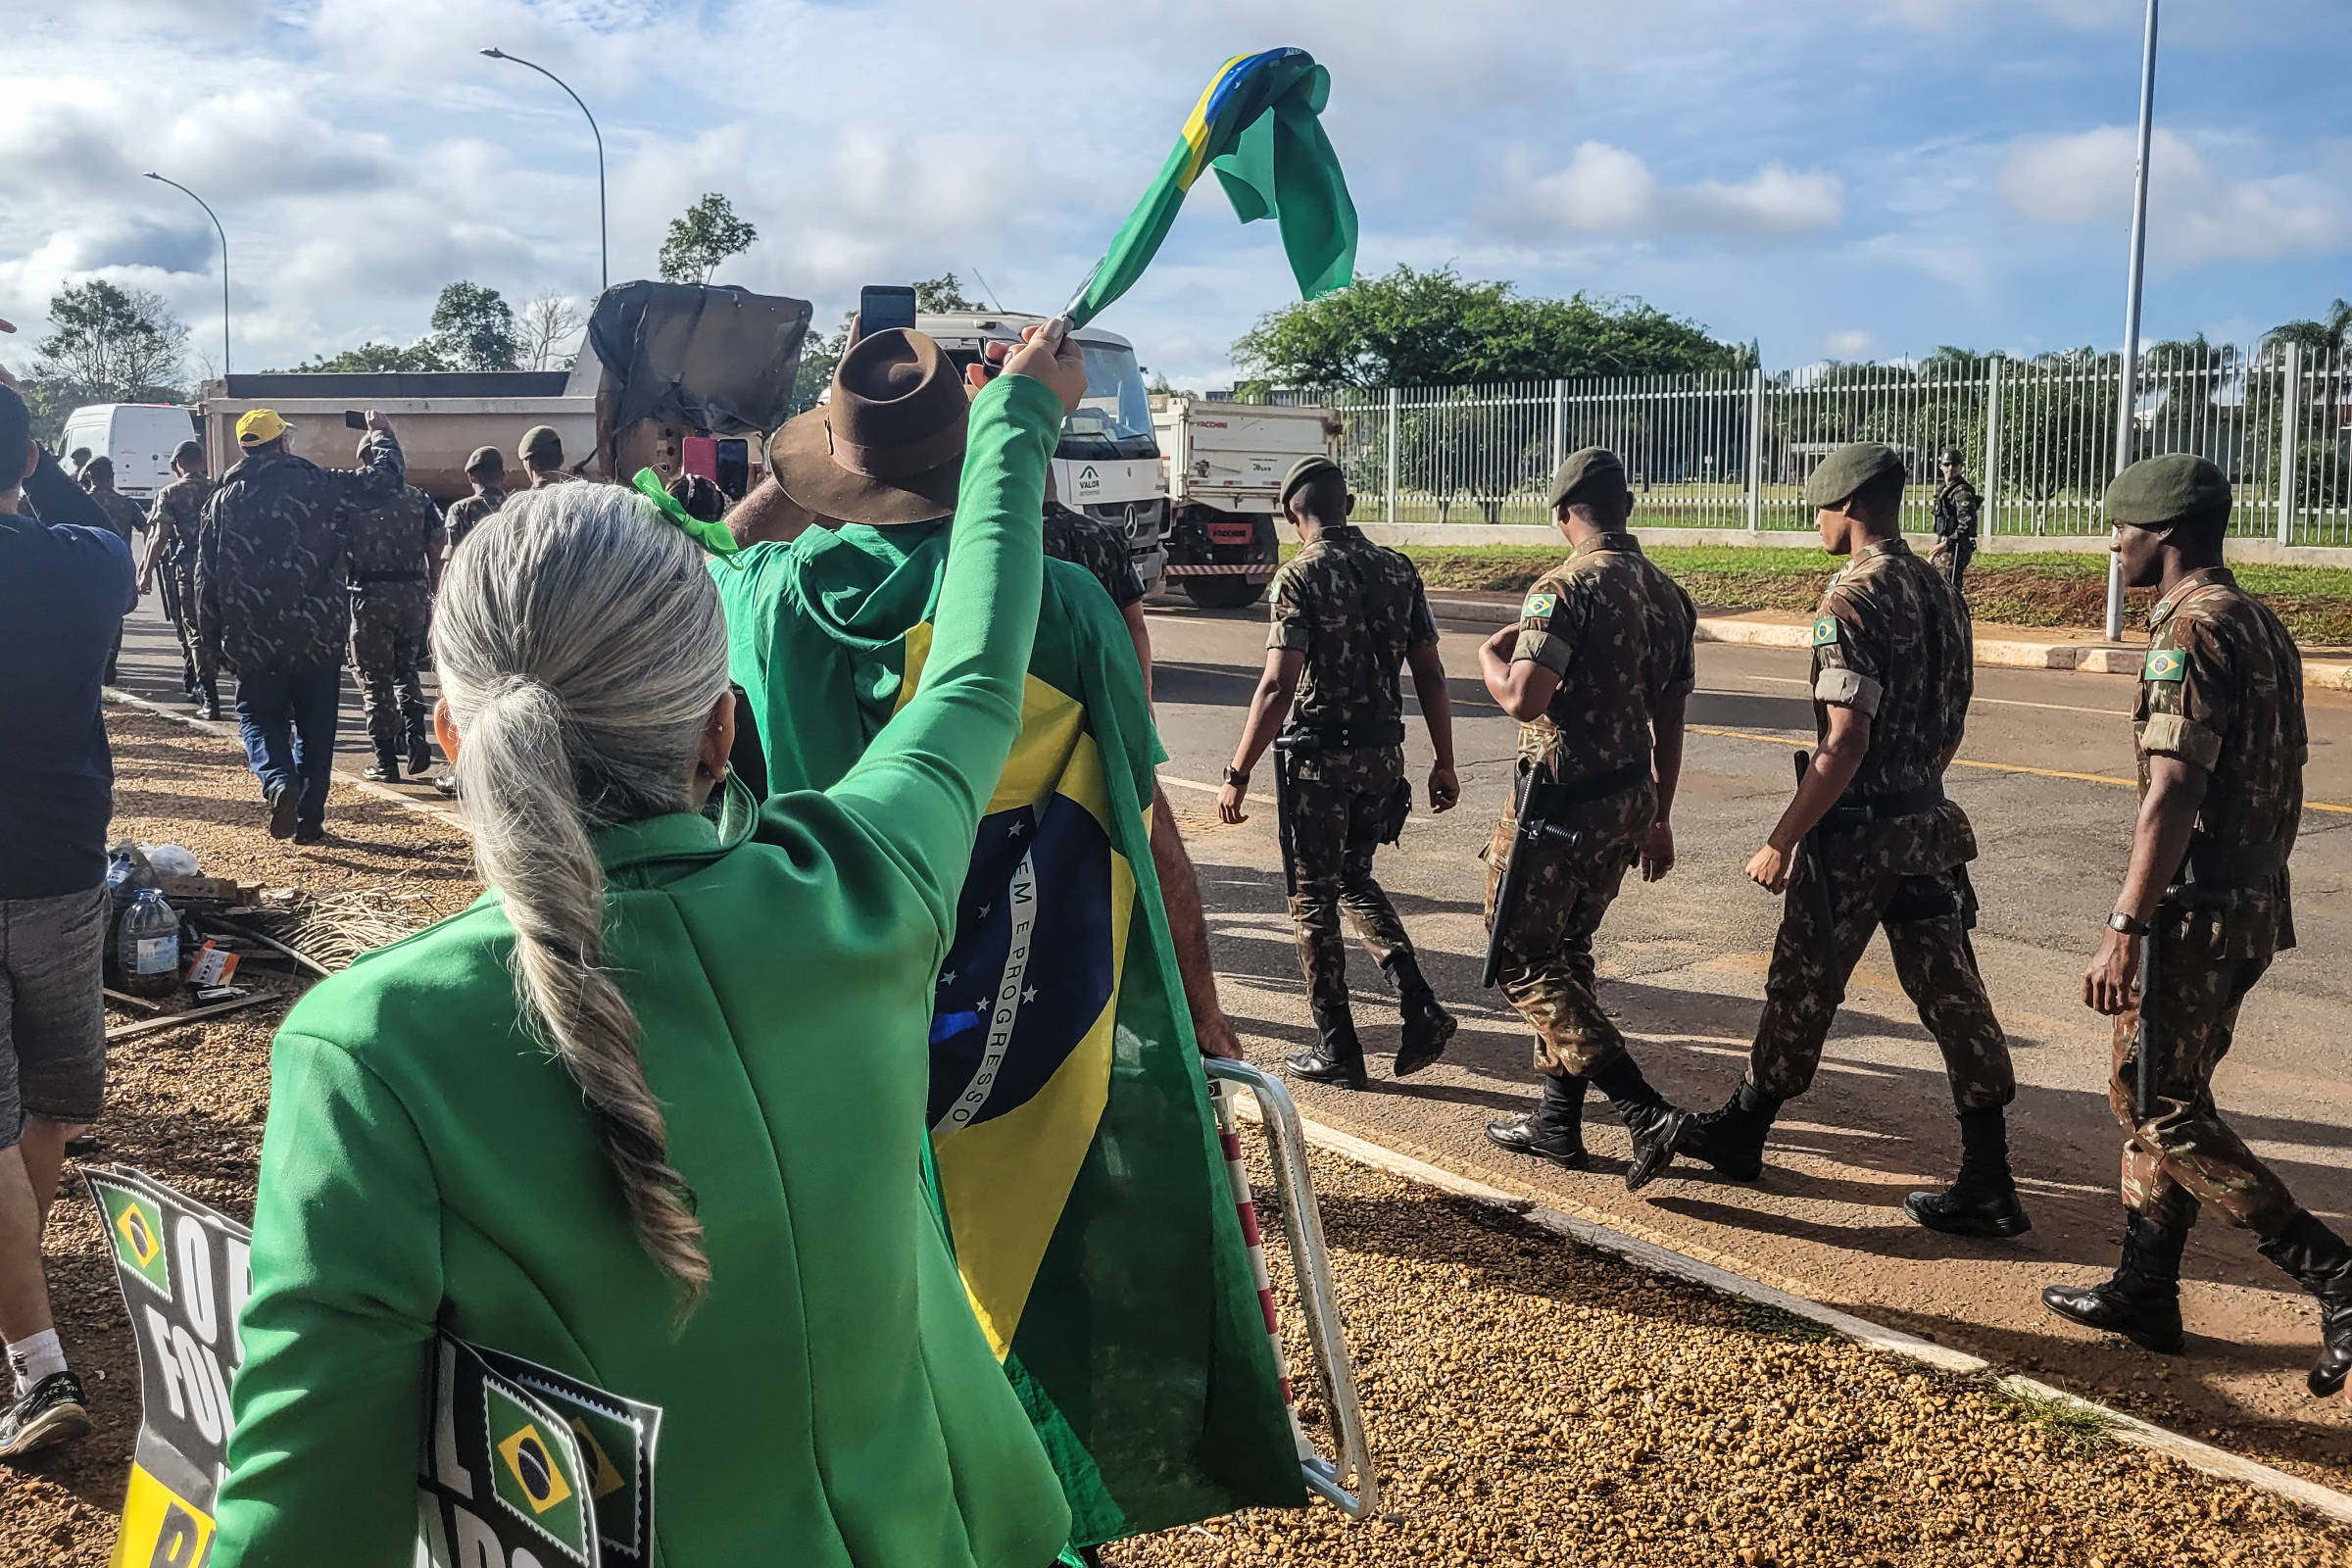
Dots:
pixel 2089 657
pixel 1610 1236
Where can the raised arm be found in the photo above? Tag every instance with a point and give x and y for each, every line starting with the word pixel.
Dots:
pixel 920 786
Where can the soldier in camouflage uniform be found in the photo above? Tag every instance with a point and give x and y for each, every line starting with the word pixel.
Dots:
pixel 171 559
pixel 487 469
pixel 122 515
pixel 1346 612
pixel 1869 840
pixel 392 563
pixel 2219 734
pixel 272 605
pixel 1957 505
pixel 1598 670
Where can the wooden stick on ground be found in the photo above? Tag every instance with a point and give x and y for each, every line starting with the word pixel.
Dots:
pixel 193 1015
pixel 128 1000
pixel 251 935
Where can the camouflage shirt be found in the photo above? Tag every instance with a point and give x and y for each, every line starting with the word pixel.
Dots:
pixel 1083 541
pixel 270 592
pixel 1956 507
pixel 178 509
pixel 2223 688
pixel 1618 632
pixel 1354 610
pixel 1892 640
pixel 470 512
pixel 122 515
pixel 395 538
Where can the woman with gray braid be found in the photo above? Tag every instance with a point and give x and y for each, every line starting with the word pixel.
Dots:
pixel 650 1115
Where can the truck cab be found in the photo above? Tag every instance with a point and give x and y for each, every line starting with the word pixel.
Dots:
pixel 1107 463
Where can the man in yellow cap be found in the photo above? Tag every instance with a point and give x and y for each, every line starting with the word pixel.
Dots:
pixel 271 604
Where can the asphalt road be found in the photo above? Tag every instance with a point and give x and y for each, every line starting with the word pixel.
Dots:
pixel 2046 779
pixel 2045 776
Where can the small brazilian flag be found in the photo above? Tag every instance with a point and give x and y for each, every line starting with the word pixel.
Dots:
pixel 136 1227
pixel 1538 607
pixel 537 1470
pixel 1825 631
pixel 2165 664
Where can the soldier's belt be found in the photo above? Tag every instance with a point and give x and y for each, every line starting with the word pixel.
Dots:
pixel 1545 798
pixel 362 579
pixel 2210 868
pixel 1340 737
pixel 1860 810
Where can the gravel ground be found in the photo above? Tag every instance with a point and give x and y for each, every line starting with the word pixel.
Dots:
pixel 1534 1401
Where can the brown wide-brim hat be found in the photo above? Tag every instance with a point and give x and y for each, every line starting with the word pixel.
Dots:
pixel 887 448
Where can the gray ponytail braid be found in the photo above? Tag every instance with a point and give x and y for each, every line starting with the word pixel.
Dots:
pixel 581 649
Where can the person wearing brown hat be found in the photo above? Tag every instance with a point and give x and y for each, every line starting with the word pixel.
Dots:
pixel 542 452
pixel 2206 906
pixel 1346 613
pixel 486 470
pixel 1869 840
pixel 1597 670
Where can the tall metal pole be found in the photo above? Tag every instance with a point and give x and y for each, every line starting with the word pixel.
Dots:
pixel 223 233
pixel 2128 398
pixel 603 236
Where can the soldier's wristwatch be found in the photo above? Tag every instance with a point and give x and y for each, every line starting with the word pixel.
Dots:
pixel 2127 924
pixel 1237 778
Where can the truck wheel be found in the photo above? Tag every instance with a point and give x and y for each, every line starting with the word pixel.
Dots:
pixel 1223 593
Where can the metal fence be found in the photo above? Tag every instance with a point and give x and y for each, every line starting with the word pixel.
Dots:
pixel 2036 437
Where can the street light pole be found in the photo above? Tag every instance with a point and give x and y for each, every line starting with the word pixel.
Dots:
pixel 2129 397
pixel 602 238
pixel 223 233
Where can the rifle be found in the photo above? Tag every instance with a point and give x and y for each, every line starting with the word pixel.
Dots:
pixel 2143 1047
pixel 1817 887
pixel 1285 746
pixel 1533 828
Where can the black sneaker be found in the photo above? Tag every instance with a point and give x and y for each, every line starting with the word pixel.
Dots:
pixel 284 801
pixel 307 836
pixel 55 1411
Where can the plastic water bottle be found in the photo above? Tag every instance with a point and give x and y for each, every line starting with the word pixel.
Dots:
pixel 147 949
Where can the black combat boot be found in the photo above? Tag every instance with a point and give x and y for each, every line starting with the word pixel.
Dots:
pixel 421 751
pixel 2322 1264
pixel 1656 1125
pixel 1983 1200
pixel 1732 1140
pixel 2143 1302
pixel 1340 1057
pixel 385 769
pixel 1554 1130
pixel 1426 1023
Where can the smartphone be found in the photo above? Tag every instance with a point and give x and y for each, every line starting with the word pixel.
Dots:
pixel 881 307
pixel 353 419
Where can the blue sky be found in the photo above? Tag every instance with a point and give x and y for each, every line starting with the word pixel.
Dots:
pixel 1866 178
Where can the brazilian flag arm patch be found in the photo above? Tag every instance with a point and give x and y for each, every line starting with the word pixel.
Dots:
pixel 2165 665
pixel 1538 607
pixel 1825 631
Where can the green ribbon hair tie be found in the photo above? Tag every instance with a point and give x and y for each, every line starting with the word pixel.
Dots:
pixel 711 536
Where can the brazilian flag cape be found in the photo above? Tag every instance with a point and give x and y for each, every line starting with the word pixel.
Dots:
pixel 1078 1169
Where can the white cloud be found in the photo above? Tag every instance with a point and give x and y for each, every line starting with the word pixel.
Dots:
pixel 2199 209
pixel 1605 190
pixel 1853 344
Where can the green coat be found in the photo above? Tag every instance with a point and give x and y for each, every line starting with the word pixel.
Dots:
pixel 832 1403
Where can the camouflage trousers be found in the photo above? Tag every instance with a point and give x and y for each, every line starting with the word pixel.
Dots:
pixel 1547 969
pixel 2186 1156
pixel 199 673
pixel 1334 805
pixel 390 623
pixel 1928 936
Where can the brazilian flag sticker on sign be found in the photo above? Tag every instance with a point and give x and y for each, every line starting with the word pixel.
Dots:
pixel 1825 631
pixel 136 1227
pixel 2165 664
pixel 537 1470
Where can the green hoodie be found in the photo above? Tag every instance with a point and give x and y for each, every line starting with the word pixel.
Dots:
pixel 832 1402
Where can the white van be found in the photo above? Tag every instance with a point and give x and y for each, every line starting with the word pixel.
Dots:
pixel 138 436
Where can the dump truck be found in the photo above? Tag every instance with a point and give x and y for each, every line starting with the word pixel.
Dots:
pixel 1224 463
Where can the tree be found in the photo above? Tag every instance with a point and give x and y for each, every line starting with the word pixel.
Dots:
pixel 1432 328
pixel 551 332
pixel 2329 335
pixel 706 236
pixel 474 328
pixel 818 357
pixel 376 358
pixel 113 345
pixel 934 296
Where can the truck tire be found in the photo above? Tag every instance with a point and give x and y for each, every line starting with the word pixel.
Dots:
pixel 1223 593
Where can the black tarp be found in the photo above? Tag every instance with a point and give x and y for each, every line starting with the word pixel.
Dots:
pixel 720 360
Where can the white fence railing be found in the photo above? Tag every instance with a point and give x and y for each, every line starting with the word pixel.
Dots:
pixel 2036 437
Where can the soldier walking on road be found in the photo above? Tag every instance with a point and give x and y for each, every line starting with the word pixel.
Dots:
pixel 1597 672
pixel 1869 840
pixel 392 565
pixel 2204 908
pixel 171 547
pixel 487 469
pixel 1346 612
pixel 123 515
pixel 1957 505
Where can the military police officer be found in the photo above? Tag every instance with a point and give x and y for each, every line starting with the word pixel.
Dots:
pixel 1957 505
pixel 1597 672
pixel 1869 840
pixel 171 559
pixel 1346 612
pixel 486 470
pixel 2205 904
pixel 391 562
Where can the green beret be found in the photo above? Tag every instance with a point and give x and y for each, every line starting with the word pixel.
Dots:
pixel 1847 469
pixel 541 441
pixel 1590 466
pixel 1301 472
pixel 2155 491
pixel 486 458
